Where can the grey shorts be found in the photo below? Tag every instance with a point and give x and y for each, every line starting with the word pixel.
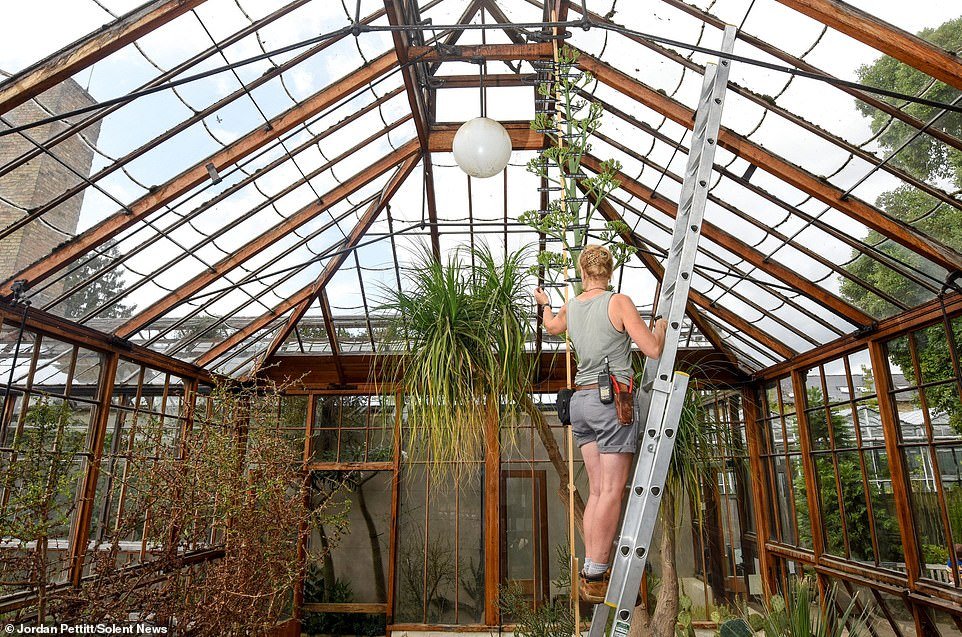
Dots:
pixel 592 421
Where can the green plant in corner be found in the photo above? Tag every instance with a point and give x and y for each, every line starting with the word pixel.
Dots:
pixel 552 619
pixel 800 614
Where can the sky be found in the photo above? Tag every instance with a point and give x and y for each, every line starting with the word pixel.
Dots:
pixel 28 34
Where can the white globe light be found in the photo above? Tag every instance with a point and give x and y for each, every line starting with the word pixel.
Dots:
pixel 482 147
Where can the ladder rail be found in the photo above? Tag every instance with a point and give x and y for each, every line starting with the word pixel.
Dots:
pixel 660 399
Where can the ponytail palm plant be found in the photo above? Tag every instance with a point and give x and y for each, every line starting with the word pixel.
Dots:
pixel 459 328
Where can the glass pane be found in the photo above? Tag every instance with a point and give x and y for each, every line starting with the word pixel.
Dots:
pixel 813 388
pixel 791 433
pixel 944 410
pixel 858 522
pixel 933 352
pixel 933 543
pixel 410 604
pixel 771 400
pixel 828 499
pixel 870 423
pixel 777 436
pixel 786 517
pixel 863 380
pixel 911 417
pixel 800 502
pixel 900 362
pixel 883 510
pixel 843 428
pixel 818 430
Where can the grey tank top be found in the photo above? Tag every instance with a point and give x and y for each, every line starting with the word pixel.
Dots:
pixel 594 337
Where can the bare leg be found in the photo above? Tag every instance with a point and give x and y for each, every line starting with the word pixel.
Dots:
pixel 607 510
pixel 589 452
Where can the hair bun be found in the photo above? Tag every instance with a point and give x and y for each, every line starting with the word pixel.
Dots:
pixel 596 262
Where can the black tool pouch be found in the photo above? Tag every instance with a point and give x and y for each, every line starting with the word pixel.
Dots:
pixel 563 404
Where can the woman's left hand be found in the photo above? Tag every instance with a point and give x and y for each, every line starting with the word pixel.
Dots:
pixel 540 297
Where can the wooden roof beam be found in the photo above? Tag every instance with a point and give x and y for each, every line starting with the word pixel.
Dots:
pixel 513 34
pixel 736 246
pixel 695 297
pixel 883 36
pixel 790 173
pixel 161 195
pixel 656 269
pixel 522 137
pixel 335 262
pixel 452 38
pixel 490 52
pixel 259 323
pixel 264 240
pixel 112 37
pixel 332 335
pixel 774 51
pixel 422 121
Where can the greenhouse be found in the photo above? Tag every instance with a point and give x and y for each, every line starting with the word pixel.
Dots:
pixel 298 332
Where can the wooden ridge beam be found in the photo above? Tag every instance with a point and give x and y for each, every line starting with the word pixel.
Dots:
pixel 493 80
pixel 883 36
pixel 422 120
pixel 736 246
pixel 522 137
pixel 161 195
pixel 696 298
pixel 267 238
pixel 503 52
pixel 96 46
pixel 820 189
pixel 410 160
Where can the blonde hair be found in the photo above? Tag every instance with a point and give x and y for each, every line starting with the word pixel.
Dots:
pixel 596 262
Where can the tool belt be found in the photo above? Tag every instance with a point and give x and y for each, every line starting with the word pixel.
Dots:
pixel 624 401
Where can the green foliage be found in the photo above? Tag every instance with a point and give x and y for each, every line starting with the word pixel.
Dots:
pixel 685 626
pixel 464 324
pixel 553 619
pixel 737 627
pixel 857 520
pixel 800 615
pixel 38 480
pixel 316 590
pixel 567 217
pixel 927 159
pixel 101 288
pixel 934 554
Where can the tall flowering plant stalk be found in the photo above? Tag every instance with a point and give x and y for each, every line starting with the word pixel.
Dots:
pixel 568 119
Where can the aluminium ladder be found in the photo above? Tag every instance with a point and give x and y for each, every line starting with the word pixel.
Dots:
pixel 661 399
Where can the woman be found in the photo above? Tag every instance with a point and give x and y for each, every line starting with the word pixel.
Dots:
pixel 601 324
